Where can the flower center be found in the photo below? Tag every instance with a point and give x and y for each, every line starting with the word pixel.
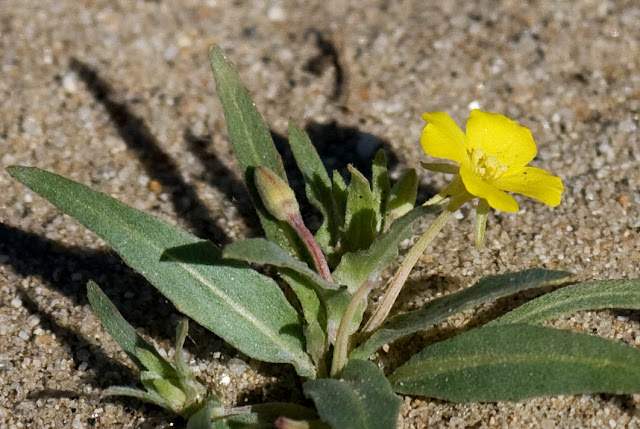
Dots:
pixel 486 166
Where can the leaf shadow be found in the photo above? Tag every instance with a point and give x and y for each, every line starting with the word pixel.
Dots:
pixel 218 175
pixel 155 161
pixel 66 269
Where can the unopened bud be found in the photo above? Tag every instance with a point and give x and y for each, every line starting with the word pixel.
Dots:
pixel 276 195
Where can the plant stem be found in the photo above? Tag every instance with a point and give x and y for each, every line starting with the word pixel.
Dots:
pixel 399 279
pixel 307 238
pixel 341 347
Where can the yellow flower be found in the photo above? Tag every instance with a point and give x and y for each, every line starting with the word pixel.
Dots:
pixel 493 157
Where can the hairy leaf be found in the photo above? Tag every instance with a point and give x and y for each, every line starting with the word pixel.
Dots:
pixel 245 308
pixel 360 216
pixel 380 188
pixel 143 354
pixel 339 190
pixel 515 362
pixel 251 140
pixel 318 187
pixel 357 267
pixel 261 416
pixel 487 289
pixel 261 251
pixel 313 311
pixel 361 399
pixel 597 295
pixel 403 196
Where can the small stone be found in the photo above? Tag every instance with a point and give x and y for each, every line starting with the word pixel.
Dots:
pixel 69 83
pixel 171 52
pixel 43 340
pixel 237 366
pixel 16 302
pixel 276 14
pixel 155 187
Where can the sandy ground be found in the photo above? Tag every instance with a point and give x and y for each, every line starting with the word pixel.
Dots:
pixel 118 95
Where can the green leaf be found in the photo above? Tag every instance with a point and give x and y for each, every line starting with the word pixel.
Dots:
pixel 251 140
pixel 339 190
pixel 246 309
pixel 304 282
pixel 182 368
pixel 356 268
pixel 143 354
pixel 597 295
pixel 360 219
pixel 313 311
pixel 175 399
pixel 155 364
pixel 380 188
pixel 403 196
pixel 261 415
pixel 361 399
pixel 318 187
pixel 201 419
pixel 150 397
pixel 486 289
pixel 515 362
pixel 263 252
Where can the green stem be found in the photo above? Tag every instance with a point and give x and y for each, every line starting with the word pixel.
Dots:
pixel 481 221
pixel 399 279
pixel 341 347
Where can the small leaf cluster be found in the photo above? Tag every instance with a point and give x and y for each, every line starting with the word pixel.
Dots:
pixel 330 274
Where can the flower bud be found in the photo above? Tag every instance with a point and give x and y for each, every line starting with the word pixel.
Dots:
pixel 277 197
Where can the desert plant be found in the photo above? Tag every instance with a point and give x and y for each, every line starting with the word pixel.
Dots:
pixel 332 271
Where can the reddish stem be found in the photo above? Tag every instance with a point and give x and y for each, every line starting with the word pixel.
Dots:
pixel 307 238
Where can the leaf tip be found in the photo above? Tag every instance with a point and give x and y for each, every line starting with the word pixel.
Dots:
pixel 16 171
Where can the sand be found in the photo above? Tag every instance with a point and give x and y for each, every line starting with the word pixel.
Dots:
pixel 118 95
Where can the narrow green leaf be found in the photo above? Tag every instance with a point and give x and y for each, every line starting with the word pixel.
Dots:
pixel 251 140
pixel 515 362
pixel 175 399
pixel 360 220
pixel 153 398
pixel 246 309
pixel 339 190
pixel 403 196
pixel 318 187
pixel 125 335
pixel 178 358
pixel 486 289
pixel 380 188
pixel 261 251
pixel 260 416
pixel 201 419
pixel 361 399
pixel 154 363
pixel 357 267
pixel 313 311
pixel 596 295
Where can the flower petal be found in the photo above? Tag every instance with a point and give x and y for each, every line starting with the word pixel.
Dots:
pixel 498 135
pixel 533 182
pixel 495 197
pixel 442 138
